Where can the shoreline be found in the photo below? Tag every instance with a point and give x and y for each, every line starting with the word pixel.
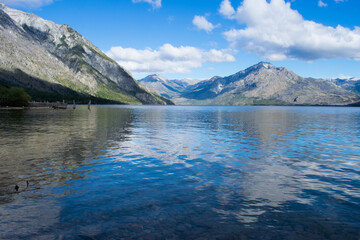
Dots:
pixel 50 107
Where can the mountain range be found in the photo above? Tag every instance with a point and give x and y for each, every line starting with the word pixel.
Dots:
pixel 52 61
pixel 167 88
pixel 261 84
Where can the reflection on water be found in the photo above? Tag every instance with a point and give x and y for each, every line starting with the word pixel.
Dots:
pixel 180 173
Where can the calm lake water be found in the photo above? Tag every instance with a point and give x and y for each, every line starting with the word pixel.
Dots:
pixel 157 172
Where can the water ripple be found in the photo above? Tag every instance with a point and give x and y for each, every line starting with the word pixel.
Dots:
pixel 180 172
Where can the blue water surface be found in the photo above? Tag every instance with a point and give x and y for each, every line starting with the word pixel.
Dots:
pixel 180 172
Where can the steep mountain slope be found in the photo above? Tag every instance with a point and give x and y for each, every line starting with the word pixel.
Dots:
pixel 46 57
pixel 266 84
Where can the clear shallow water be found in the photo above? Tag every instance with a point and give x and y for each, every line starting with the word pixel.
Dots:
pixel 123 172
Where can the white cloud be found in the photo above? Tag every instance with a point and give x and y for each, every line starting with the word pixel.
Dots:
pixel 167 59
pixel 277 32
pixel 322 4
pixel 27 3
pixel 154 3
pixel 203 24
pixel 342 76
pixel 226 9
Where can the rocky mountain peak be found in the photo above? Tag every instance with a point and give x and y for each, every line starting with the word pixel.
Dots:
pixel 44 29
pixel 266 72
pixel 261 65
pixel 266 65
pixel 154 78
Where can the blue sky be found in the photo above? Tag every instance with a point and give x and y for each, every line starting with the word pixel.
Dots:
pixel 204 38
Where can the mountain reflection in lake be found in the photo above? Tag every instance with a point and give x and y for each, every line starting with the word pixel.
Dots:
pixel 156 172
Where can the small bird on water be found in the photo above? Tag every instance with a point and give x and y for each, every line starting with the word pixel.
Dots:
pixel 16 187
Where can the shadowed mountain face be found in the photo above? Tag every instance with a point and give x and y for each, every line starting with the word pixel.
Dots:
pixel 261 84
pixel 57 54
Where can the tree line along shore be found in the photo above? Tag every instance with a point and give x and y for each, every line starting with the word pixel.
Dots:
pixel 11 96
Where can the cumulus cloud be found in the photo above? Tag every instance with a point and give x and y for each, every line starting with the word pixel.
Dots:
pixel 277 32
pixel 226 9
pixel 154 3
pixel 322 4
pixel 168 58
pixel 27 3
pixel 203 24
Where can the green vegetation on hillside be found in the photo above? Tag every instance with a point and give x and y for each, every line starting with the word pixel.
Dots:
pixel 13 96
pixel 106 92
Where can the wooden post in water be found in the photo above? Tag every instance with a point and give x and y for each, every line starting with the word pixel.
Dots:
pixel 89 105
pixel 74 105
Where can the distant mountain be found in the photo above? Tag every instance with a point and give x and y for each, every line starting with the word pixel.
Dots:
pixel 187 82
pixel 52 60
pixel 167 88
pixel 265 84
pixel 352 84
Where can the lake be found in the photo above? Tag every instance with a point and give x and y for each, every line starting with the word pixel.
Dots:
pixel 180 172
